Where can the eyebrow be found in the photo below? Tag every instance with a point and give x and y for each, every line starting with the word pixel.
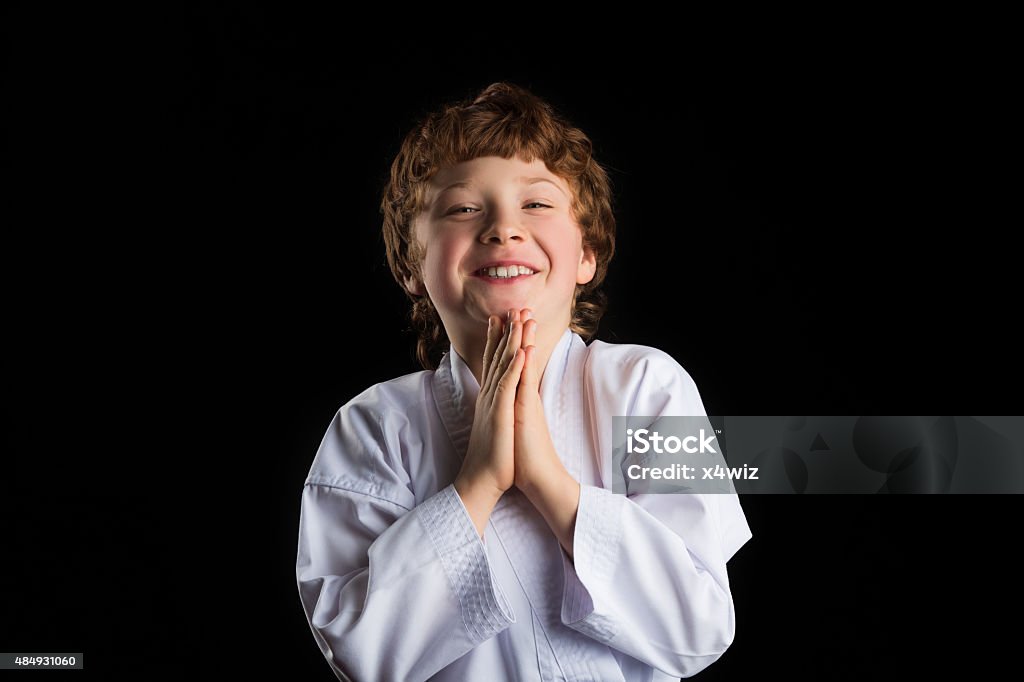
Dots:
pixel 522 180
pixel 534 181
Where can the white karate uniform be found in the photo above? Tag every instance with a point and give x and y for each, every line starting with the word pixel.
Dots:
pixel 397 584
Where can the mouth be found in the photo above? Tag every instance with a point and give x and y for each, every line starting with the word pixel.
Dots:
pixel 504 274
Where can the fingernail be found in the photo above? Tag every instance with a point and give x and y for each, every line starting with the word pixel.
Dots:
pixel 527 315
pixel 508 316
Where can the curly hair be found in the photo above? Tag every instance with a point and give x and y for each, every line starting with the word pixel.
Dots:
pixel 508 121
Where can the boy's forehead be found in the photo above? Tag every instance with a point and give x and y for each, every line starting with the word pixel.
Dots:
pixel 485 170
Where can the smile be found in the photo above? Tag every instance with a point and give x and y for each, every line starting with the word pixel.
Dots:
pixel 504 272
pixel 504 275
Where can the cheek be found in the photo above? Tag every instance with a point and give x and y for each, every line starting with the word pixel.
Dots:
pixel 440 267
pixel 565 253
pixel 435 269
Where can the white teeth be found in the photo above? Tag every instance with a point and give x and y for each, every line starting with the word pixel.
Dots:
pixel 508 271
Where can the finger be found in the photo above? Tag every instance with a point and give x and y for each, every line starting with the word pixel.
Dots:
pixel 506 388
pixel 531 372
pixel 495 368
pixel 529 332
pixel 512 343
pixel 500 331
pixel 515 337
pixel 493 335
pixel 530 379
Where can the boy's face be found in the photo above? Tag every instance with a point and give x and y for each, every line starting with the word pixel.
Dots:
pixel 499 214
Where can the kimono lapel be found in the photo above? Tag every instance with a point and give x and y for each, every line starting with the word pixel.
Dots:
pixel 561 392
pixel 455 392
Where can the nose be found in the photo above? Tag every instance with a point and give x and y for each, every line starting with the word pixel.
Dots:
pixel 503 227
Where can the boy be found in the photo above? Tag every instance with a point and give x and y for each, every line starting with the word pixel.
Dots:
pixel 457 523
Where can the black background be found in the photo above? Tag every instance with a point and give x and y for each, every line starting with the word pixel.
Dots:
pixel 196 283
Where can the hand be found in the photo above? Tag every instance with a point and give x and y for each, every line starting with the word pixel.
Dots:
pixel 535 456
pixel 489 466
pixel 539 472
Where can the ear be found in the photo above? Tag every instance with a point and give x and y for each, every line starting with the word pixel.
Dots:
pixel 414 286
pixel 587 267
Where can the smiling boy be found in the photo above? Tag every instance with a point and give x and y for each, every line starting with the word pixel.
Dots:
pixel 458 523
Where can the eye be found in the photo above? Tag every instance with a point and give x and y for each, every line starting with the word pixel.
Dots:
pixel 460 209
pixel 537 203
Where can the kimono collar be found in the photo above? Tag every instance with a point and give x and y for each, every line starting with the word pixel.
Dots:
pixel 456 389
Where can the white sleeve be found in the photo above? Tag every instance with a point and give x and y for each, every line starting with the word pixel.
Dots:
pixel 649 573
pixel 390 592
